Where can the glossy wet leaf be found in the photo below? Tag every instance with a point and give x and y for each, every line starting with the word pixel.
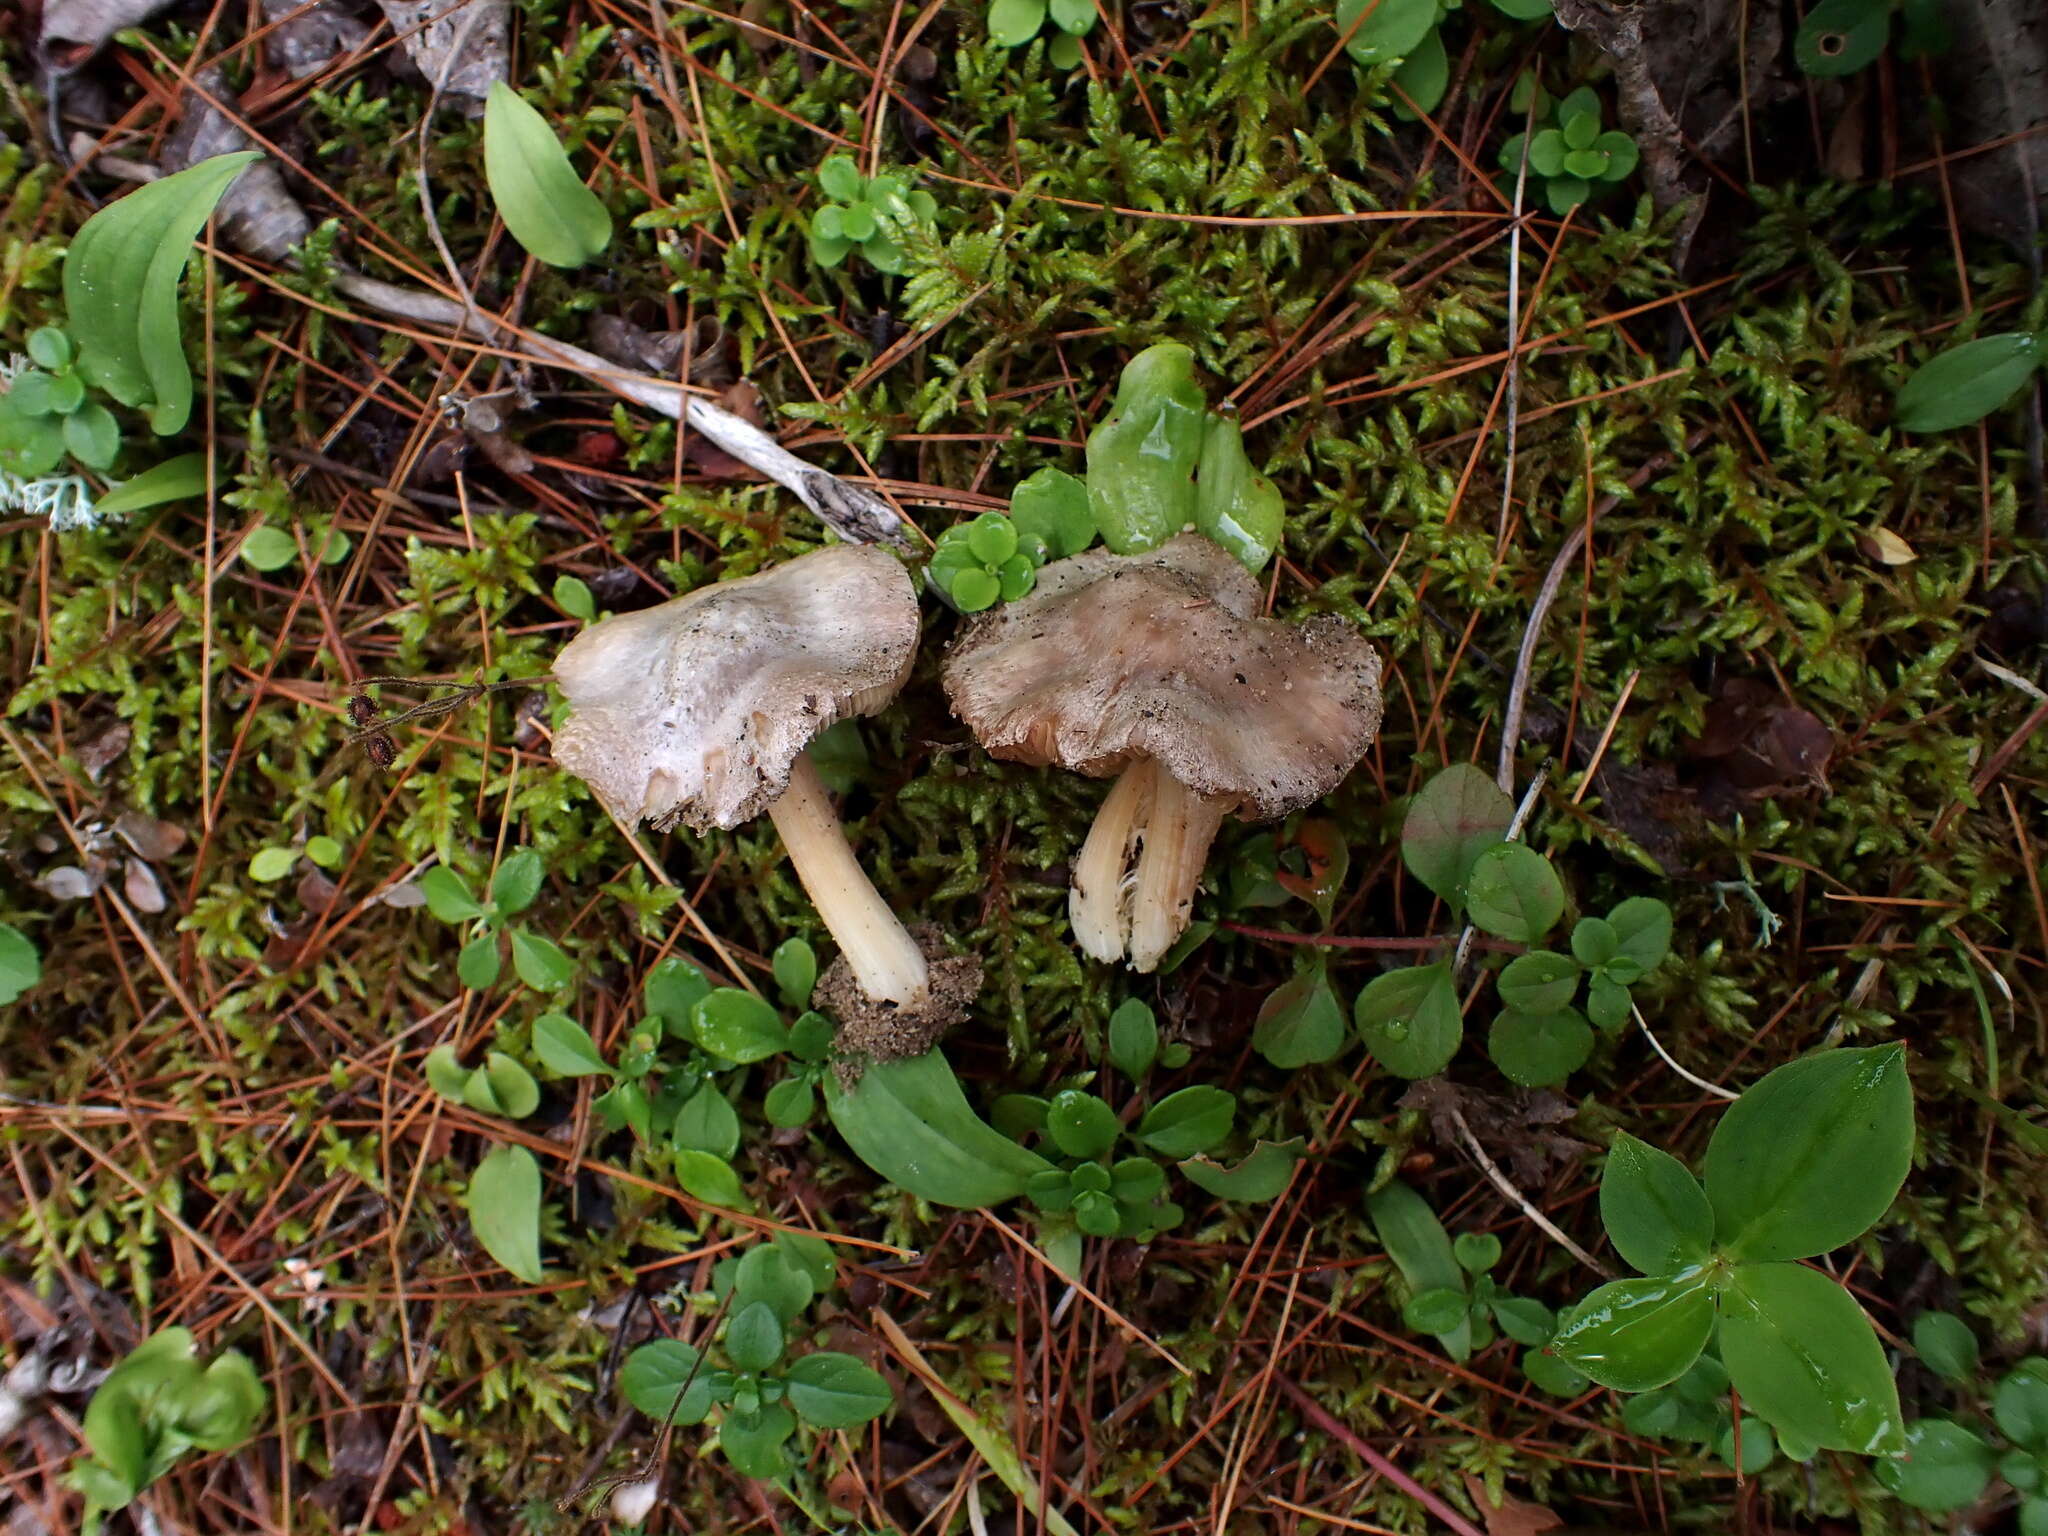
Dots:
pixel 504 1210
pixel 1261 1176
pixel 1513 892
pixel 1051 506
pixel 1811 1156
pixel 1840 37
pixel 1945 1467
pixel 1133 1039
pixel 1634 1335
pixel 1188 1122
pixel 1542 982
pixel 1301 1022
pixel 1013 23
pixel 1655 1212
pixel 1457 815
pixel 835 1391
pixel 739 1027
pixel 1966 383
pixel 708 1122
pixel 1946 1345
pixel 1391 30
pixel 1420 1248
pixel 1142 457
pixel 1080 1124
pixel 1075 17
pixel 542 200
pixel 1235 505
pixel 668 1381
pixel 795 967
pixel 1539 1050
pixel 1803 1355
pixel 910 1122
pixel 121 277
pixel 1409 1019
pixel 565 1047
pixel 175 479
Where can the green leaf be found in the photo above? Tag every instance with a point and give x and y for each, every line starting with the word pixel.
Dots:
pixel 709 1178
pixel 1588 164
pixel 1074 17
pixel 1013 23
pixel 909 1121
pixel 739 1027
pixel 512 1087
pixel 839 178
pixel 1476 1252
pixel 1946 1346
pixel 220 1411
pixel 176 479
pixel 1608 1003
pixel 1190 1121
pixel 1564 193
pixel 1437 1311
pixel 754 1442
pixel 1539 1050
pixel 1840 37
pixel 324 851
pixel 121 287
pixel 1425 75
pixel 517 882
pixel 769 1275
pixel 270 549
pixel 1758 1446
pixel 975 590
pixel 810 1037
pixel 790 1102
pixel 1080 1124
pixel 540 962
pixel 504 1210
pixel 673 990
pixel 1301 1022
pixel 445 1073
pixel 48 347
pixel 1392 30
pixel 1051 506
pixel 1622 155
pixel 2021 1404
pixel 1552 1375
pixel 1458 815
pixel 666 1380
pixel 1966 383
pixel 991 539
pixel 30 446
pixel 1133 1039
pixel 2034 1516
pixel 1142 457
pixel 272 863
pixel 1524 1321
pixel 477 962
pixel 1064 52
pixel 1420 1248
pixel 795 965
pixel 1523 10
pixel 1409 1019
pixel 573 596
pixel 1136 1181
pixel 92 435
pixel 1811 1156
pixel 835 1391
pixel 544 203
pixel 21 967
pixel 2022 1469
pixel 1655 1212
pixel 1633 1335
pixel 447 897
pixel 753 1340
pixel 1263 1174
pixel 1803 1355
pixel 1945 1467
pixel 1235 506
pixel 707 1122
pixel 1541 982
pixel 565 1047
pixel 1513 892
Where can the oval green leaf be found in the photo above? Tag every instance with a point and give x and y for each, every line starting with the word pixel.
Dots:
pixel 707 1122
pixel 1133 1039
pixel 1840 37
pixel 1080 1124
pixel 1142 459
pixel 1655 1212
pixel 1542 982
pixel 1263 1174
pixel 1946 1346
pixel 666 1380
pixel 1391 30
pixel 1051 506
pixel 910 1122
pixel 1457 815
pixel 835 1391
pixel 1300 1023
pixel 1967 383
pixel 1013 23
pixel 565 1047
pixel 1190 1121
pixel 1539 1050
pixel 1803 1355
pixel 517 882
pixel 1945 1467
pixel 739 1027
pixel 176 479
pixel 1514 893
pixel 1409 1019
pixel 1235 505
pixel 504 1210
pixel 753 1339
pixel 542 200
pixel 541 963
pixel 1636 1335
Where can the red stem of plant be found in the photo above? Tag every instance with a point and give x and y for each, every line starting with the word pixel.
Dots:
pixel 1328 1424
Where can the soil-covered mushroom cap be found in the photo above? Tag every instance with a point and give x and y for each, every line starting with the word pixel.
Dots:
pixel 1113 658
pixel 693 711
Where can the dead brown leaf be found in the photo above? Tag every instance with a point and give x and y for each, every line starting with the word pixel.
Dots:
pixel 1512 1516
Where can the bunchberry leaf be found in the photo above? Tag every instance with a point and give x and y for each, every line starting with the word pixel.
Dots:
pixel 1633 1335
pixel 1655 1212
pixel 1803 1355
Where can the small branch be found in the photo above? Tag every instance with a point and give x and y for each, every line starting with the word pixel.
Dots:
pixel 1658 1046
pixel 1506 1186
pixel 1329 1424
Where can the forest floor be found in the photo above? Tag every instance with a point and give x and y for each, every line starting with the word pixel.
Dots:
pixel 1781 674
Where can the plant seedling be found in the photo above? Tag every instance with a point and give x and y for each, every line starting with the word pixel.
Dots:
pixel 47 413
pixel 1961 385
pixel 1013 23
pixel 992 557
pixel 267 547
pixel 537 960
pixel 155 1406
pixel 21 964
pixel 1408 33
pixel 866 213
pixel 1696 1409
pixel 1807 1160
pixel 1572 156
pixel 276 861
pixel 1948 1465
pixel 761 1395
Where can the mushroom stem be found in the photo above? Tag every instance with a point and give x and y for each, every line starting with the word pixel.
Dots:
pixel 1095 905
pixel 883 957
pixel 1153 820
pixel 1177 837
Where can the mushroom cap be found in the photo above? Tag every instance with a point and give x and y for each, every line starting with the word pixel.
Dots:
pixel 1111 658
pixel 694 710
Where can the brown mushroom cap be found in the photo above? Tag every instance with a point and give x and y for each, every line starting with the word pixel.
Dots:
pixel 1111 658
pixel 694 710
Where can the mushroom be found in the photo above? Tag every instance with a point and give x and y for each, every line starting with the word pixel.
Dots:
pixel 1156 668
pixel 699 711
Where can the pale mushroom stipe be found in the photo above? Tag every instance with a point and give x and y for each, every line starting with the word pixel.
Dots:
pixel 1157 668
pixel 700 710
